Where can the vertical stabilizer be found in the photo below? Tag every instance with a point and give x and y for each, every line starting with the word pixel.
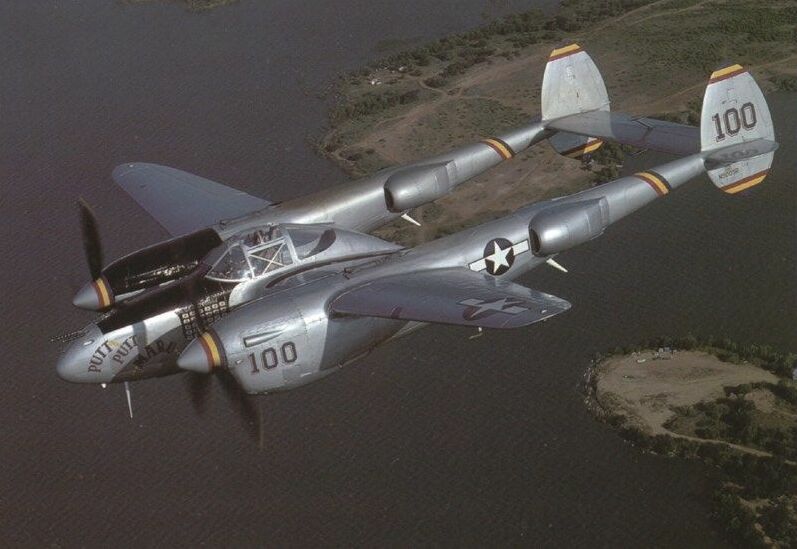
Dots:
pixel 572 84
pixel 735 117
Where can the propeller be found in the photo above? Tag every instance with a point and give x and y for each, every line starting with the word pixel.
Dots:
pixel 91 239
pixel 198 385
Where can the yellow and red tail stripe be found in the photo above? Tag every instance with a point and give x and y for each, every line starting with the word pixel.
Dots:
pixel 577 152
pixel 213 349
pixel 104 293
pixel 727 72
pixel 559 53
pixel 499 146
pixel 746 183
pixel 656 182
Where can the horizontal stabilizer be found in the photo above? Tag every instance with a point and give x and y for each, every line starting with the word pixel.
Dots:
pixel 725 156
pixel 182 202
pixel 450 296
pixel 643 133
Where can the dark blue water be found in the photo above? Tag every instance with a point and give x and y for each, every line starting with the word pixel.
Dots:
pixel 436 440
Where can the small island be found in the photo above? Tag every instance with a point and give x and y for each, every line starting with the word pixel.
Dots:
pixel 733 407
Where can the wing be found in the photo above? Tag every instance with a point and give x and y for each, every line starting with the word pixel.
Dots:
pixel 450 296
pixel 182 202
pixel 645 133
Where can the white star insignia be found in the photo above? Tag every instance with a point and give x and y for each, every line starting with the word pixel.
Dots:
pixel 498 257
pixel 503 305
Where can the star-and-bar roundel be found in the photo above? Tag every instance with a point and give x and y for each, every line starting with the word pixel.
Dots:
pixel 499 255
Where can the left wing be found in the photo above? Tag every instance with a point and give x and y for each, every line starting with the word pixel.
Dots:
pixel 182 202
pixel 450 296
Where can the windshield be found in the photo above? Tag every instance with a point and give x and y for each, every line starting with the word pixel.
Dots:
pixel 253 255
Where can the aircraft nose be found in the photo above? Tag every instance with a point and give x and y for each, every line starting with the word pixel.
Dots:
pixel 70 366
pixel 203 354
pixel 75 364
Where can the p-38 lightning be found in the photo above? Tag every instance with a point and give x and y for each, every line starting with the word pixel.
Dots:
pixel 280 295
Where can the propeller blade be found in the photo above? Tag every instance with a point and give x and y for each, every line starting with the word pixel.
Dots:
pixel 91 239
pixel 199 390
pixel 248 412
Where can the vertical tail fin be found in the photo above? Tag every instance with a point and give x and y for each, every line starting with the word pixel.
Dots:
pixel 572 84
pixel 736 133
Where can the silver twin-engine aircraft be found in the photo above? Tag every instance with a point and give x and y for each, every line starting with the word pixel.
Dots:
pixel 279 295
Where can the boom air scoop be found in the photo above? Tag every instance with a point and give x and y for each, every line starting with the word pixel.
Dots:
pixel 737 137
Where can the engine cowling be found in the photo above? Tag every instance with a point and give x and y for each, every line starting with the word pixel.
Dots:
pixel 417 185
pixel 146 268
pixel 564 226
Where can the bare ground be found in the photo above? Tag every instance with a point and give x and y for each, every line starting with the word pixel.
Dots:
pixel 646 393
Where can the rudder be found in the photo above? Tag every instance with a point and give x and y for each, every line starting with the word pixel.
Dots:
pixel 572 84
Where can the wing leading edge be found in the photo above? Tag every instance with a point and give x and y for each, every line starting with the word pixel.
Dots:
pixel 450 296
pixel 182 202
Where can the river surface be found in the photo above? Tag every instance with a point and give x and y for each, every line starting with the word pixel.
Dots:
pixel 436 440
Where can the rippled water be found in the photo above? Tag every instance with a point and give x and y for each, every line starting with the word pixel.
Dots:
pixel 437 439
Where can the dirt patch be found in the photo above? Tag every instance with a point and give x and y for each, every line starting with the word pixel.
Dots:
pixel 647 392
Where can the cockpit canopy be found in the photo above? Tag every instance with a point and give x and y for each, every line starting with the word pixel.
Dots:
pixel 255 253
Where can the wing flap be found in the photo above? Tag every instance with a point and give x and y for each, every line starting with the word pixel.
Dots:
pixel 450 296
pixel 644 133
pixel 182 202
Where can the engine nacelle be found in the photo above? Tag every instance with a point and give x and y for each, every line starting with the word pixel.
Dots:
pixel 286 339
pixel 161 262
pixel 564 226
pixel 417 185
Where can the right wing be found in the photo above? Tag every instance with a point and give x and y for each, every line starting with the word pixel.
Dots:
pixel 182 202
pixel 643 133
pixel 450 296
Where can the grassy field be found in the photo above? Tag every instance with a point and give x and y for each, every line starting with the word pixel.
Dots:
pixel 655 57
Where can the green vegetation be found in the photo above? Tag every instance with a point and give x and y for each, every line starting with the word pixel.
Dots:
pixel 784 83
pixel 441 61
pixel 609 158
pixel 669 36
pixel 736 418
pixel 372 103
